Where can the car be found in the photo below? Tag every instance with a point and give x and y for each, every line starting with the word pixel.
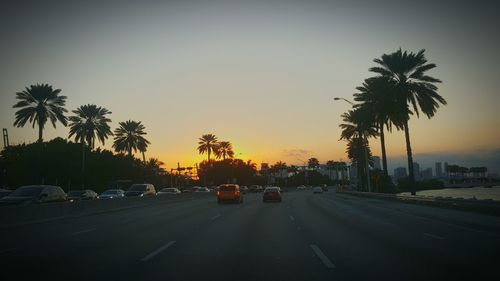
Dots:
pixel 317 189
pixel 244 189
pixel 76 195
pixel 112 194
pixel 201 190
pixel 30 194
pixel 324 187
pixel 271 194
pixel 4 192
pixel 229 192
pixel 256 188
pixel 169 191
pixel 301 187
pixel 141 190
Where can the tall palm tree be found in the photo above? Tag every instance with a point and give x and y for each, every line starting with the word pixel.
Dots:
pixel 129 136
pixel 378 96
pixel 358 150
pixel 88 123
pixel 359 125
pixel 417 91
pixel 313 162
pixel 224 149
pixel 207 144
pixel 39 103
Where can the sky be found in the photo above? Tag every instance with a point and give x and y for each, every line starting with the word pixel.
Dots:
pixel 260 74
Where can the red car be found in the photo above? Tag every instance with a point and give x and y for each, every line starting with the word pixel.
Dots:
pixel 229 192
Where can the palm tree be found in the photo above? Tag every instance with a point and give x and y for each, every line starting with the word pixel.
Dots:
pixel 39 103
pixel 88 123
pixel 224 149
pixel 359 126
pixel 129 136
pixel 207 144
pixel 415 89
pixel 378 96
pixel 359 151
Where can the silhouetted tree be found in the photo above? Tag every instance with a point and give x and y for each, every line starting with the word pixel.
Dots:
pixel 207 144
pixel 129 137
pixel 224 149
pixel 88 123
pixel 378 96
pixel 416 88
pixel 39 103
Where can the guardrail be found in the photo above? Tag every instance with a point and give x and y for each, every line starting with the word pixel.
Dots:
pixel 484 206
pixel 17 215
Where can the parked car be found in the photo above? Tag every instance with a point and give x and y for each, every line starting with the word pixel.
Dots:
pixel 229 192
pixel 317 189
pixel 34 194
pixel 271 194
pixel 244 189
pixel 76 195
pixel 169 191
pixel 112 194
pixel 140 190
pixel 4 192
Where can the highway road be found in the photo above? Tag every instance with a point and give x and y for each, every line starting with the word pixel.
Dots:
pixel 308 236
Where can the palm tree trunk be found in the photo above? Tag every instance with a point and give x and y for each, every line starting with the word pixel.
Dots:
pixel 143 157
pixel 130 152
pixel 208 152
pixel 40 132
pixel 384 155
pixel 410 159
pixel 83 164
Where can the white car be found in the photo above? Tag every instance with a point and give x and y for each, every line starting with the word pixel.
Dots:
pixel 169 190
pixel 317 189
pixel 112 194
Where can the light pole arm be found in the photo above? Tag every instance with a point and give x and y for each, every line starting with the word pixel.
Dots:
pixel 350 102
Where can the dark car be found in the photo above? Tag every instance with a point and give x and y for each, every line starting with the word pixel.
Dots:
pixel 76 195
pixel 34 194
pixel 112 194
pixel 271 194
pixel 140 190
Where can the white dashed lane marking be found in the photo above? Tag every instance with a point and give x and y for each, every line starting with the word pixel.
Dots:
pixel 326 261
pixel 157 251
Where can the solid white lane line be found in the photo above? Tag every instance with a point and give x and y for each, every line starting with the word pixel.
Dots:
pixel 215 217
pixel 83 231
pixel 7 250
pixel 433 236
pixel 157 251
pixel 326 261
pixel 292 218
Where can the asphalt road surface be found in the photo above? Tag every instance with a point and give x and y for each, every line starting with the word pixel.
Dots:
pixel 306 237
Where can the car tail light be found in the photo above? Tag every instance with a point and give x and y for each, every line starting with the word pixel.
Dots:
pixel 218 193
pixel 236 193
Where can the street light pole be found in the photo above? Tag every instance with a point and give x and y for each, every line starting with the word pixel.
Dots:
pixel 367 168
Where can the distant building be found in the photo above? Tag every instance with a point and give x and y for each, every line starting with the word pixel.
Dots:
pixel 416 170
pixel 400 173
pixel 426 174
pixel 446 168
pixel 438 170
pixel 376 163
